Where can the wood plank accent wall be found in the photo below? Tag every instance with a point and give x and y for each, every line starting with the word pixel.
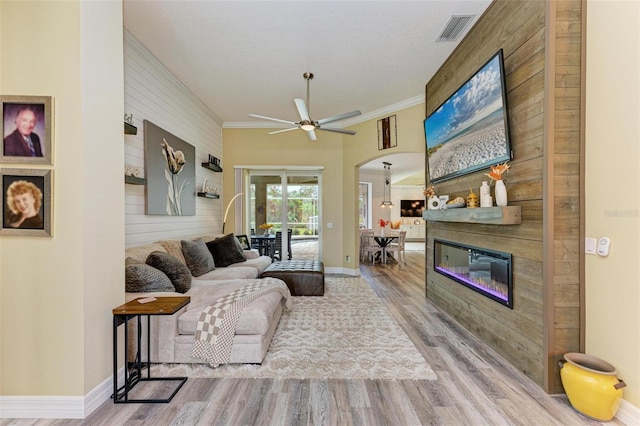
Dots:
pixel 151 92
pixel 564 134
pixel 545 320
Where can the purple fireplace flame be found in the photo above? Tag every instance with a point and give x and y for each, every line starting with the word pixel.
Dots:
pixel 485 271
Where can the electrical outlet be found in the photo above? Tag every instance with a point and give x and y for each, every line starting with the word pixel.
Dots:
pixel 348 258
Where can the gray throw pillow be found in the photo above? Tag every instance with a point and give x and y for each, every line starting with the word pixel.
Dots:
pixel 198 257
pixel 177 271
pixel 226 250
pixel 142 278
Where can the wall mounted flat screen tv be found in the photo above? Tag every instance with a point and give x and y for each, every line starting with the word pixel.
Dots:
pixel 470 130
pixel 411 208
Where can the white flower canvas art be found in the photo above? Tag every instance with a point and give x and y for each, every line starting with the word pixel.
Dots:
pixel 170 169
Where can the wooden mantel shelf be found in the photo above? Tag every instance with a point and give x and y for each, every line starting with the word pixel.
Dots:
pixel 509 215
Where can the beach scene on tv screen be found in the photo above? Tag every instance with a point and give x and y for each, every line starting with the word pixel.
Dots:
pixel 468 130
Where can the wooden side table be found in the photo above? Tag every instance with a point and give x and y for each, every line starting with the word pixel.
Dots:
pixel 133 373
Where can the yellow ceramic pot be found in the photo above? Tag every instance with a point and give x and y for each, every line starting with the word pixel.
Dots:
pixel 591 385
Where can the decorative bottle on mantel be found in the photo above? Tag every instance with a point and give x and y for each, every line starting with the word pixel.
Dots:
pixel 485 195
pixel 501 193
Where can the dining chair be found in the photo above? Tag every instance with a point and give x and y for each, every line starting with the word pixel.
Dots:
pixel 276 246
pixel 371 248
pixel 363 241
pixel 399 246
pixel 254 244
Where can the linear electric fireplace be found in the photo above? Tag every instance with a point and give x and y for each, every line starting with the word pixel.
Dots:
pixel 486 271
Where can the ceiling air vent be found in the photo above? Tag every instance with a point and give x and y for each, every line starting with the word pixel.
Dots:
pixel 454 27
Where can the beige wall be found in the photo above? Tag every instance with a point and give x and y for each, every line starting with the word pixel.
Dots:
pixel 339 155
pixel 56 294
pixel 255 148
pixel 613 187
pixel 362 148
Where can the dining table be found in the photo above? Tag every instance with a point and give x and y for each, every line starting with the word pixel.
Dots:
pixel 263 243
pixel 383 241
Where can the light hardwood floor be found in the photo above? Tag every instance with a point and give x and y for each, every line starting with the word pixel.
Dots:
pixel 474 386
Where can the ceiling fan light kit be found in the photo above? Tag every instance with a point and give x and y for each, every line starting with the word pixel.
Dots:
pixel 306 123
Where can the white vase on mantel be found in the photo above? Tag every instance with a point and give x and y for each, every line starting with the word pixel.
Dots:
pixel 501 194
pixel 382 231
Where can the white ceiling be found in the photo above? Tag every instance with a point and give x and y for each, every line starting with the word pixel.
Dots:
pixel 242 57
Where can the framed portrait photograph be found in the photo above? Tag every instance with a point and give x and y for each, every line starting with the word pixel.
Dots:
pixel 27 202
pixel 387 135
pixel 27 129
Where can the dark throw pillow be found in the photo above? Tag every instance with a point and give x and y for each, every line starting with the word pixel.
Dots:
pixel 226 250
pixel 177 271
pixel 198 257
pixel 142 278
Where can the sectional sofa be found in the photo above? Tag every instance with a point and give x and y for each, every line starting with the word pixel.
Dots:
pixel 205 275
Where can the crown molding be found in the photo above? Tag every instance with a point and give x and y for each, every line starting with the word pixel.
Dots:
pixel 389 109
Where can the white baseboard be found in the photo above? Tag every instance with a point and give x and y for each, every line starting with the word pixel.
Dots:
pixel 57 407
pixel 345 271
pixel 628 414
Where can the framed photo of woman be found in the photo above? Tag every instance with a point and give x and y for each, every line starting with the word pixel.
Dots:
pixel 27 202
pixel 27 129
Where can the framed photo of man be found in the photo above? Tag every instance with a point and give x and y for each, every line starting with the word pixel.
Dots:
pixel 27 208
pixel 27 129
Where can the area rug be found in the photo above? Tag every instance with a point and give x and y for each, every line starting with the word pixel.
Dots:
pixel 346 334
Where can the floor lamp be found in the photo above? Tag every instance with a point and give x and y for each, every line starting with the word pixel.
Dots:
pixel 224 220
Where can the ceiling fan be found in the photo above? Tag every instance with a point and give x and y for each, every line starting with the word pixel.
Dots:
pixel 306 123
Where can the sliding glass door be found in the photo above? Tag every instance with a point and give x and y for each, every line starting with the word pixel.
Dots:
pixel 290 202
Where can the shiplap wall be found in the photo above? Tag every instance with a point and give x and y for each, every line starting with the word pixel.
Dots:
pixel 152 93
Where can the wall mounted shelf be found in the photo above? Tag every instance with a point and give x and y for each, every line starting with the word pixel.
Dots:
pixel 133 180
pixel 509 215
pixel 212 166
pixel 130 129
pixel 208 195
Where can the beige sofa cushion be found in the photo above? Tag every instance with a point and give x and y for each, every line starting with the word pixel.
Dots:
pixel 174 248
pixel 256 318
pixel 140 253
pixel 220 274
pixel 259 264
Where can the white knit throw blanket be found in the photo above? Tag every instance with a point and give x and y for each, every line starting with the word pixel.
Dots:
pixel 217 324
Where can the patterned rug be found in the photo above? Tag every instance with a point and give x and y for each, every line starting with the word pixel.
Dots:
pixel 347 334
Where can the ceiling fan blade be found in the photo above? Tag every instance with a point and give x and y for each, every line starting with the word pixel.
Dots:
pixel 346 132
pixel 302 110
pixel 339 117
pixel 272 119
pixel 283 130
pixel 312 135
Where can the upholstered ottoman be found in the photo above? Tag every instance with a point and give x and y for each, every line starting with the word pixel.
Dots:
pixel 303 277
